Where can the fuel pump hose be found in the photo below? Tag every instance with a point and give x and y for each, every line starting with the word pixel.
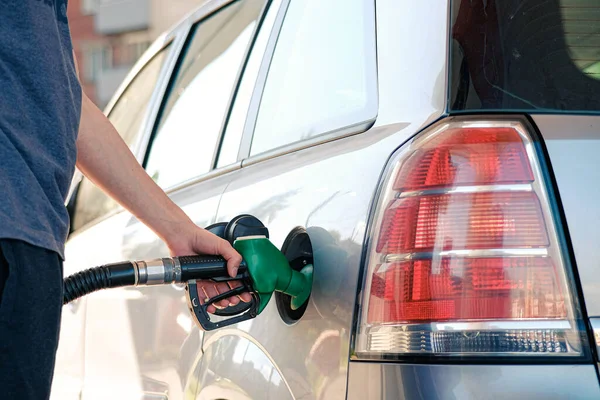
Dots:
pixel 263 271
pixel 146 273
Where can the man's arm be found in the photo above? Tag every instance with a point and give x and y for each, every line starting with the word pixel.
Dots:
pixel 105 159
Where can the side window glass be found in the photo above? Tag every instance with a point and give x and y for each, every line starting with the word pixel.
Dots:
pixel 322 75
pixel 192 116
pixel 235 126
pixel 127 116
pixel 129 111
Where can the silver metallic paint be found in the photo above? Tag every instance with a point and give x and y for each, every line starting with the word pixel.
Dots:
pixel 573 144
pixel 482 382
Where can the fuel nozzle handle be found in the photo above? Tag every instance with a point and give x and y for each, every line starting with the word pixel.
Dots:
pixel 183 269
pixel 206 267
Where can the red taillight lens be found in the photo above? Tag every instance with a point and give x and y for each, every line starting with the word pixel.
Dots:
pixel 460 289
pixel 464 247
pixel 466 156
pixel 487 220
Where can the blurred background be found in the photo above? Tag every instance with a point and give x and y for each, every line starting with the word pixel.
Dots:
pixel 110 35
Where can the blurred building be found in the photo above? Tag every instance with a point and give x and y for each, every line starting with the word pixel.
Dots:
pixel 110 35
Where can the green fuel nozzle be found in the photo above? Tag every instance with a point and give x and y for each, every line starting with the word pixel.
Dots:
pixel 270 272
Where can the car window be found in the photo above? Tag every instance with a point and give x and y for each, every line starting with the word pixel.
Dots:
pixel 525 56
pixel 232 137
pixel 184 142
pixel 322 75
pixel 127 116
pixel 128 112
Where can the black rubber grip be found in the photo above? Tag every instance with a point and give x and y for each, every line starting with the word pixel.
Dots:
pixel 205 267
pixel 94 279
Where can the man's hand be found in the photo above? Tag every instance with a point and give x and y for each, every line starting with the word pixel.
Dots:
pixel 194 240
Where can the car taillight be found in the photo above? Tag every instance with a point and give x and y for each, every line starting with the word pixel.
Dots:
pixel 464 256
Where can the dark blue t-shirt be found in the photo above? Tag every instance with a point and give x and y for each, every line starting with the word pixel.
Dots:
pixel 40 104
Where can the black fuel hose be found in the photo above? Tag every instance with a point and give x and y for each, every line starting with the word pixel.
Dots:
pixel 146 273
pixel 94 279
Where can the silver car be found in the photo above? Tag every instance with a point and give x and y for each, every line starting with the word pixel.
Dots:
pixel 438 160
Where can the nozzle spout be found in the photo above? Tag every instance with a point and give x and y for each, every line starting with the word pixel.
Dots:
pixel 300 286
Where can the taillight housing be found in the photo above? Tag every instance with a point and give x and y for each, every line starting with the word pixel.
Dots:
pixel 463 255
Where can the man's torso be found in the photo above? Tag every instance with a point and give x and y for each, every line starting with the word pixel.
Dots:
pixel 40 103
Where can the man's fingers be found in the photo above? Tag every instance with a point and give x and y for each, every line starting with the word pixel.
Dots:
pixel 208 291
pixel 211 290
pixel 222 288
pixel 233 265
pixel 225 287
pixel 211 309
pixel 246 297
pixel 233 257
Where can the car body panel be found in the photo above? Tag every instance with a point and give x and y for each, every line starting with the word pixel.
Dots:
pixel 236 368
pixel 573 144
pixel 449 382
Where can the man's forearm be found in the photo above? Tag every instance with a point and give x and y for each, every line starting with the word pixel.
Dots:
pixel 107 161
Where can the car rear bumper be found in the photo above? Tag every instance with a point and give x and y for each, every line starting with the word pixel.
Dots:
pixel 410 381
